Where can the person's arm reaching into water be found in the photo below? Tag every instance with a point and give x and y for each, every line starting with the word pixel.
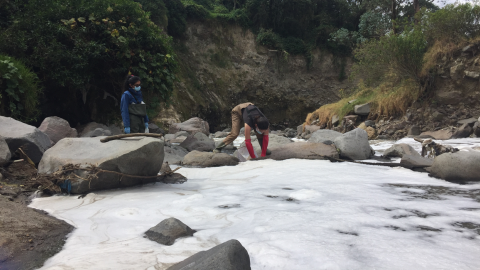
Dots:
pixel 265 143
pixel 248 141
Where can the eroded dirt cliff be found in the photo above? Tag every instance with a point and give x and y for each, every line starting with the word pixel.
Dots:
pixel 222 66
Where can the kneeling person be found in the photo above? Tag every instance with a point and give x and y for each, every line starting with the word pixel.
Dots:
pixel 252 118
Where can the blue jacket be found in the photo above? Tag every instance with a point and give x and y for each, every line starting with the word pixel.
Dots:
pixel 128 99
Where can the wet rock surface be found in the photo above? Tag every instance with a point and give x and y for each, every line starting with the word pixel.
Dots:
pixel 304 151
pixel 230 255
pixel 199 142
pixel 208 159
pixel 399 150
pixel 167 231
pixel 192 125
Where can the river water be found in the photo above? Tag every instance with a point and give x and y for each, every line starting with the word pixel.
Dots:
pixel 292 214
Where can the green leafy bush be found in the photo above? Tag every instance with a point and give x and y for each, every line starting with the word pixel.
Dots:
pixel 177 17
pixel 195 10
pixel 19 90
pixel 157 10
pixel 452 23
pixel 82 49
pixel 269 38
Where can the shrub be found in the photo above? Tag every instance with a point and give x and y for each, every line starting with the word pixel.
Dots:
pixel 268 38
pixel 453 23
pixel 177 17
pixel 19 90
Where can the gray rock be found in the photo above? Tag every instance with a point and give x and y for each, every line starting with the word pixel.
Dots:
pixel 472 74
pixel 169 137
pixel 476 129
pixel 97 133
pixel 179 139
pixel 174 154
pixel 399 150
pixel 304 151
pixel 220 134
pixel 382 137
pixel 230 255
pixel 227 130
pixel 469 121
pixel 5 154
pixel 199 142
pixel 18 134
pixel 174 178
pixel 354 145
pixel 57 128
pixel 1 177
pixel 309 129
pixel 167 231
pixel 290 133
pixel 322 135
pixel 437 116
pixel 370 123
pixel 192 125
pixel 228 147
pixel 140 156
pixel 414 131
pixel 463 132
pixel 443 134
pixel 415 161
pixel 155 129
pixel 274 142
pixel 457 167
pixel 114 130
pixel 456 71
pixel 299 130
pixel 242 131
pixel 363 109
pixel 335 119
pixel 87 130
pixel 182 134
pixel 208 159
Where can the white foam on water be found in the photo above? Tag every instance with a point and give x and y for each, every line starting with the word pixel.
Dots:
pixel 292 214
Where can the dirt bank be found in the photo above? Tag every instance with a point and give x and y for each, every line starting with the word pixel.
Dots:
pixel 28 237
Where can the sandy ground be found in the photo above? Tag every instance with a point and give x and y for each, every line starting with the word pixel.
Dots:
pixel 28 237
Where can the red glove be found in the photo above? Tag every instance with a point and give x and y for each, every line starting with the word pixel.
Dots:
pixel 248 144
pixel 265 145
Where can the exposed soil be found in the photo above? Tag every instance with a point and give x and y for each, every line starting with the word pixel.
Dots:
pixel 28 237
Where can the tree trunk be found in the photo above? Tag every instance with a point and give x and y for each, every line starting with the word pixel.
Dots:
pixel 416 7
pixel 394 16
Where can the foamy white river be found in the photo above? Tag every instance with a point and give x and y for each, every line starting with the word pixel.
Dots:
pixel 292 214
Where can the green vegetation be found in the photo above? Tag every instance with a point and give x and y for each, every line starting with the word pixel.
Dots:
pixel 19 90
pixel 81 49
pixel 394 69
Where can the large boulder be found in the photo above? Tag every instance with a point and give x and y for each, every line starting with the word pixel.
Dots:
pixel 304 151
pixel 198 141
pixel 5 154
pixel 399 150
pixel 230 255
pixel 443 134
pixel 208 159
pixel 174 154
pixel 322 135
pixel 192 125
pixel 274 142
pixel 354 145
pixel 462 166
pixel 463 132
pixel 132 156
pixel 167 231
pixel 18 134
pixel 57 128
pixel 155 129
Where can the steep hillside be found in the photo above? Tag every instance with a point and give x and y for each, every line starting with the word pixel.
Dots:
pixel 222 66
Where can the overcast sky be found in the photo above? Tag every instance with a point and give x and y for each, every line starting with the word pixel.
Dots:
pixel 442 3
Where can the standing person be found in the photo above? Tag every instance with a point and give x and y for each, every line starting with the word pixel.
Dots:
pixel 252 118
pixel 134 110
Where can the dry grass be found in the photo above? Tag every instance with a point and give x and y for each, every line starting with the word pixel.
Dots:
pixel 393 97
